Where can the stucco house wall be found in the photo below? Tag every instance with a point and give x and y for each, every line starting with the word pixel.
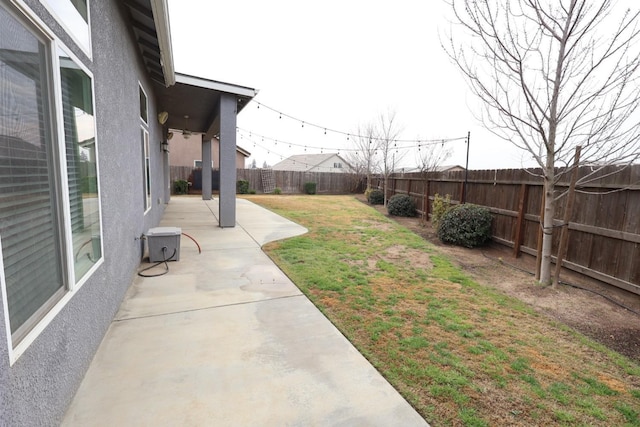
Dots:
pixel 333 164
pixel 185 151
pixel 37 388
pixel 327 162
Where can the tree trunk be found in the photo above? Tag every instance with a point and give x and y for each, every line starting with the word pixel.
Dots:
pixel 547 230
pixel 385 190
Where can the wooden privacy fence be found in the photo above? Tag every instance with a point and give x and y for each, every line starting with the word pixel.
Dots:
pixel 290 182
pixel 604 238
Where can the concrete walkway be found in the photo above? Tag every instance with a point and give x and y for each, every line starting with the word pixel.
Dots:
pixel 226 339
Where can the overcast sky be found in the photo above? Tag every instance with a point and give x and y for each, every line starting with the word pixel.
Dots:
pixel 336 64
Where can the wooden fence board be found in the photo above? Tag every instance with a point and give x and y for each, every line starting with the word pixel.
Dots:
pixel 604 238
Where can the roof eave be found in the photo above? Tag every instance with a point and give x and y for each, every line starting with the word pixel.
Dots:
pixel 161 18
pixel 238 90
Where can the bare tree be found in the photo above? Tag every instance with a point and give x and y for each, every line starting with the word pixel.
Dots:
pixel 388 133
pixel 364 160
pixel 553 75
pixel 431 155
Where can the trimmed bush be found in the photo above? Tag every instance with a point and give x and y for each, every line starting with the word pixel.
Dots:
pixel 466 225
pixel 277 190
pixel 243 186
pixel 310 187
pixel 180 186
pixel 439 207
pixel 376 197
pixel 401 205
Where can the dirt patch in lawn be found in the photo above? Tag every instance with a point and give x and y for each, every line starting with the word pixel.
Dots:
pixel 597 312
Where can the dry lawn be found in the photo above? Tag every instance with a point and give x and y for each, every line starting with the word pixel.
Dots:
pixel 461 352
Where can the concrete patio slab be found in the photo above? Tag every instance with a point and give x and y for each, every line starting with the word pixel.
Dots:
pixel 226 339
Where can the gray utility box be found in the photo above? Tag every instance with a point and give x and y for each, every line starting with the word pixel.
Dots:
pixel 164 237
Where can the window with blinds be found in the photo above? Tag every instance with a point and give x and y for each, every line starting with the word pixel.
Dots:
pixel 30 231
pixel 80 146
pixel 36 240
pixel 144 141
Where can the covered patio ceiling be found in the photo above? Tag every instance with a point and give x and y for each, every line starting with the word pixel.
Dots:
pixel 179 95
pixel 199 99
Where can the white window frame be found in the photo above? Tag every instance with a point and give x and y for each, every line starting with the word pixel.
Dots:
pixel 71 285
pixel 146 168
pixel 195 163
pixel 146 152
pixel 144 120
pixel 54 10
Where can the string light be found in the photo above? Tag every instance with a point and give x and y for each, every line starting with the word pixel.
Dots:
pixel 398 143
pixel 347 134
pixel 267 143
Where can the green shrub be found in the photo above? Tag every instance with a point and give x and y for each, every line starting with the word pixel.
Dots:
pixel 180 186
pixel 401 205
pixel 310 187
pixel 376 197
pixel 243 186
pixel 277 190
pixel 252 191
pixel 466 225
pixel 439 207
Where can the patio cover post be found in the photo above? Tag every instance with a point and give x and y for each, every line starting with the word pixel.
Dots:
pixel 227 206
pixel 206 168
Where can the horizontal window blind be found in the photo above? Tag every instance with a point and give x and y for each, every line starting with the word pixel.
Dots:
pixel 29 225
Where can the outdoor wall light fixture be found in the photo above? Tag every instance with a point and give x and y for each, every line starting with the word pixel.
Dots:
pixel 186 133
pixel 164 146
pixel 162 117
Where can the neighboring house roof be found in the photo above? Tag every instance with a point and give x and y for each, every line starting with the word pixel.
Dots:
pixel 443 168
pixel 449 168
pixel 306 162
pixel 243 151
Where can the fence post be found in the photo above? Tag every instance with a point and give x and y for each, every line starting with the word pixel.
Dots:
pixel 539 248
pixel 426 200
pixel 568 211
pixel 522 208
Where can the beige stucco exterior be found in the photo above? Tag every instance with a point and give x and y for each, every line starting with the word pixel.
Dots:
pixel 185 152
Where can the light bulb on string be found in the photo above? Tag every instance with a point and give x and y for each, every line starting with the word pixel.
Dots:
pixel 325 131
pixel 302 124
